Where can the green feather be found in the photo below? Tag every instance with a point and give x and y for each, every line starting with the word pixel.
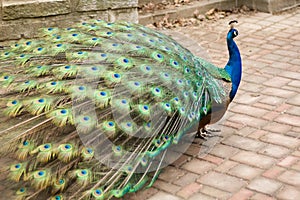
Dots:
pixel 24 149
pixel 61 117
pixel 21 59
pixel 157 56
pixel 74 37
pixel 113 47
pixel 102 98
pixel 125 36
pixel 38 105
pixel 93 72
pixel 79 92
pixel 121 105
pixel 54 87
pixel 27 86
pixel 157 92
pixel 128 127
pixel 39 70
pixel 40 179
pixel 139 50
pixel 39 50
pixel 166 106
pixel 175 64
pixel 83 176
pixel 157 142
pixel 121 192
pixel 97 194
pixel 21 193
pixel 58 48
pixel 77 56
pixel 160 147
pixel 166 78
pixel 85 123
pixel 147 127
pixel 117 150
pixel 144 161
pixel 180 83
pixel 124 63
pixel 109 127
pixel 154 178
pixel 67 71
pixel 182 111
pixel 176 102
pixel 57 197
pixel 49 31
pixel 55 38
pixel 112 78
pixel 45 152
pixel 89 27
pixel 6 55
pixel 128 169
pixel 144 111
pixel 59 185
pixel 14 108
pixel 6 79
pixel 66 152
pixel 147 69
pixel 135 87
pixel 17 171
pixel 92 41
pixel 15 47
pixel 139 185
pixel 87 153
pixel 29 45
pixel 219 73
pixel 105 34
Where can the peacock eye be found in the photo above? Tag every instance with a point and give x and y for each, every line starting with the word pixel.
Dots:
pixel 235 33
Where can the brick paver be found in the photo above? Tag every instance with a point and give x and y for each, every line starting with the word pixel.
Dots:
pixel 264 185
pixel 259 154
pixel 222 181
pixel 189 190
pixel 245 172
pixel 289 193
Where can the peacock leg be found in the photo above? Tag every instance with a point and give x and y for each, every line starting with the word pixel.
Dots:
pixel 211 129
pixel 206 132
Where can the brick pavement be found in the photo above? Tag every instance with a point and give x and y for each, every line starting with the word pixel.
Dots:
pixel 259 155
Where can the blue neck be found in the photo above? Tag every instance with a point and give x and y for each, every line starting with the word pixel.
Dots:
pixel 234 66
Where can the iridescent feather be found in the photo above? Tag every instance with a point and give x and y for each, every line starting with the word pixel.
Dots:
pixel 91 111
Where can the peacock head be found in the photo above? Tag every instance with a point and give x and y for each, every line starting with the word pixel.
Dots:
pixel 232 33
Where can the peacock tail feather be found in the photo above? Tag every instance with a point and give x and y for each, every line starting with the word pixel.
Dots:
pixel 92 111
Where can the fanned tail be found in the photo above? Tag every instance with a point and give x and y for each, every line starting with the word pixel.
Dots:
pixel 97 110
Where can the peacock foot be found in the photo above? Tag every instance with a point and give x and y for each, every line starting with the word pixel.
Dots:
pixel 205 133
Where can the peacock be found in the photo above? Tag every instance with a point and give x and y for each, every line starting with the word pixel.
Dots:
pixel 96 110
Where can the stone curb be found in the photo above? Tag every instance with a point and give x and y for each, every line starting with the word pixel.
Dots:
pixel 185 11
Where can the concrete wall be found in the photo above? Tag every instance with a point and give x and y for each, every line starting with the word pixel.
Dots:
pixel 21 18
pixel 271 6
pixel 186 10
pixel 202 6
